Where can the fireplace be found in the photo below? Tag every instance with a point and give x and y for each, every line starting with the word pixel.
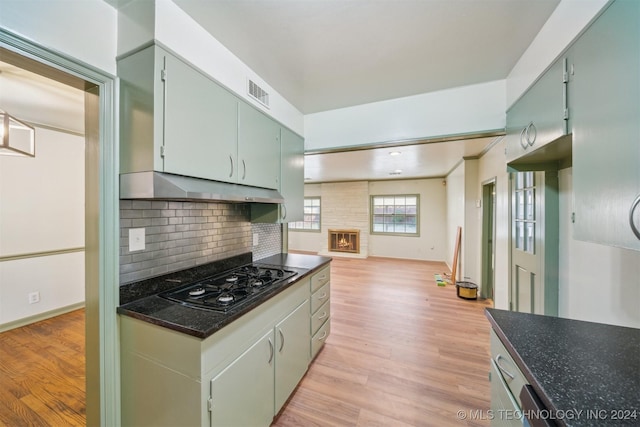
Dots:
pixel 344 241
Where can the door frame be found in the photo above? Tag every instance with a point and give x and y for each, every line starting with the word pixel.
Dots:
pixel 101 224
pixel 488 231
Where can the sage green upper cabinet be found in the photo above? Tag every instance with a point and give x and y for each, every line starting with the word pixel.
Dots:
pixel 291 183
pixel 175 119
pixel 200 130
pixel 605 111
pixel 538 119
pixel 258 148
pixel 292 176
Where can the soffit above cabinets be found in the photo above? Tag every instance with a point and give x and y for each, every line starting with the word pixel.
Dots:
pixel 426 160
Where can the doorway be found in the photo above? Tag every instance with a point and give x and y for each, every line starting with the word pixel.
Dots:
pixel 101 216
pixel 488 238
pixel 534 242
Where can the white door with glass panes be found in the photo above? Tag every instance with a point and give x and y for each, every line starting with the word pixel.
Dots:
pixel 534 243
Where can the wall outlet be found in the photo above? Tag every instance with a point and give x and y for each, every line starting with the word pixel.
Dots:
pixel 256 239
pixel 136 239
pixel 34 297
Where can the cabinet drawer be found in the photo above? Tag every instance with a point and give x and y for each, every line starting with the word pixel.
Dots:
pixel 509 371
pixel 319 338
pixel 320 297
pixel 320 278
pixel 319 317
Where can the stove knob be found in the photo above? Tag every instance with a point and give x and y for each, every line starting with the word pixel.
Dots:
pixel 280 273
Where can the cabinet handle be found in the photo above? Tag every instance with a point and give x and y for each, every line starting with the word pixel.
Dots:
pixel 244 169
pixel 324 314
pixel 270 351
pixel 231 160
pixel 507 373
pixel 523 144
pixel 634 205
pixel 323 296
pixel 281 340
pixel 530 140
pixel 284 210
pixel 323 277
pixel 324 335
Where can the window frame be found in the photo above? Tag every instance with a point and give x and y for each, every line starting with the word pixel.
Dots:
pixel 319 222
pixel 372 213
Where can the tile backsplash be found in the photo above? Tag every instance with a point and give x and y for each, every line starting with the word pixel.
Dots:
pixel 269 240
pixel 181 235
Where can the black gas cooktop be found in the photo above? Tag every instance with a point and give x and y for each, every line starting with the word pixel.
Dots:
pixel 231 289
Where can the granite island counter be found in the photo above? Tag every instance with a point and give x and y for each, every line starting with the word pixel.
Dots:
pixel 584 373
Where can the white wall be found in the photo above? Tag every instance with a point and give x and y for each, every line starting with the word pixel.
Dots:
pixel 597 283
pixel 493 165
pixel 454 111
pixel 82 29
pixel 455 216
pixel 42 209
pixel 140 22
pixel 431 244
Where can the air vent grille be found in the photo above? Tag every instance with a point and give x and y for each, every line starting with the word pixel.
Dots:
pixel 259 94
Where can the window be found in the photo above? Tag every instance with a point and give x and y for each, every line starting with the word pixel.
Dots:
pixel 525 221
pixel 395 214
pixel 311 220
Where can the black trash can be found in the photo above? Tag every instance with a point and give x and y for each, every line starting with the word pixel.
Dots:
pixel 467 290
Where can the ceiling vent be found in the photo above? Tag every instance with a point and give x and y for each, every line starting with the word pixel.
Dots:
pixel 257 93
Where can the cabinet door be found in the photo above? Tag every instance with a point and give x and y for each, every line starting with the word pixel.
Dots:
pixel 538 117
pixel 242 394
pixel 292 175
pixel 258 148
pixel 605 111
pixel 200 124
pixel 292 357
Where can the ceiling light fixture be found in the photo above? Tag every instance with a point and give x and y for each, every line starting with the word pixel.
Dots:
pixel 394 153
pixel 16 138
pixel 396 172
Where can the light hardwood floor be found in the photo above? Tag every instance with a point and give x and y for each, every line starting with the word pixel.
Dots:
pixel 402 352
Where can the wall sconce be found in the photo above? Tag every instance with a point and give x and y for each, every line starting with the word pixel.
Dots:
pixel 16 138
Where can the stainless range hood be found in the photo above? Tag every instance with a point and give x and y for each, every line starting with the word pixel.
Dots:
pixel 164 186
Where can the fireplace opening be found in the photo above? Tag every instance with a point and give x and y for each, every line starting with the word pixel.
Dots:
pixel 344 241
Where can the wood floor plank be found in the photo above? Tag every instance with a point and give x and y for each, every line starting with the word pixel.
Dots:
pixel 402 352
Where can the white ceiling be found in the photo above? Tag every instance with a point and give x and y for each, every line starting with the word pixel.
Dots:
pixel 327 54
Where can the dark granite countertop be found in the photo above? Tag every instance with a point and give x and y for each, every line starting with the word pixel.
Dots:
pixel 586 373
pixel 140 300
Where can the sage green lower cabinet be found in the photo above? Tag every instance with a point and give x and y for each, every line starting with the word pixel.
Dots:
pixel 239 376
pixel 240 393
pixel 292 352
pixel 506 382
pixel 320 289
pixel 605 111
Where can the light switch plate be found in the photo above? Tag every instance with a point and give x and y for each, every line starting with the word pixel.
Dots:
pixel 136 239
pixel 256 239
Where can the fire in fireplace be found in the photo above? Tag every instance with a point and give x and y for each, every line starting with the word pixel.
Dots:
pixel 344 241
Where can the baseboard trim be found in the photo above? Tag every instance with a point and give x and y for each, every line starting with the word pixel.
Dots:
pixel 39 317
